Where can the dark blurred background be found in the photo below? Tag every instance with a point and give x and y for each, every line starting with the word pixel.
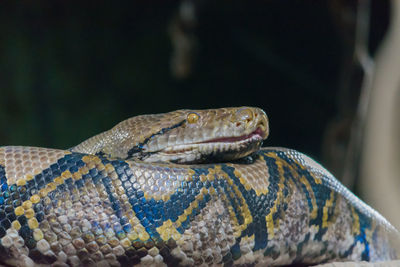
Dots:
pixel 69 71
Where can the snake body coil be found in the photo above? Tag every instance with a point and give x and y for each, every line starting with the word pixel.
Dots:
pixel 104 207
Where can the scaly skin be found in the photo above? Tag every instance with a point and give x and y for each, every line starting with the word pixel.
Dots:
pixel 65 208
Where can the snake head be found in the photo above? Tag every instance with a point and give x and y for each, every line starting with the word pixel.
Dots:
pixel 184 136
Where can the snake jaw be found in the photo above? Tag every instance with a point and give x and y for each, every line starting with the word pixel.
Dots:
pixel 216 149
pixel 257 134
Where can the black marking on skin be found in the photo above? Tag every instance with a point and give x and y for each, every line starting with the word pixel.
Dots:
pixel 40 258
pixel 365 223
pixel 101 154
pixel 250 159
pixel 4 255
pixel 300 246
pixel 349 251
pixel 138 149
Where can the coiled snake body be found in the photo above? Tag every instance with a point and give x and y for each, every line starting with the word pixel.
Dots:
pixel 122 199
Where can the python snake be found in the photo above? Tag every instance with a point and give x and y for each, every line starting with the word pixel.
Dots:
pixel 180 189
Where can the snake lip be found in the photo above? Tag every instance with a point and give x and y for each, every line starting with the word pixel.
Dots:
pixel 220 144
pixel 257 135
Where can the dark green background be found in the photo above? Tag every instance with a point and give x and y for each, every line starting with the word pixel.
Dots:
pixel 69 71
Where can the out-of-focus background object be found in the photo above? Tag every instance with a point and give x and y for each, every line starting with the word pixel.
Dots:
pixel 69 71
pixel 380 169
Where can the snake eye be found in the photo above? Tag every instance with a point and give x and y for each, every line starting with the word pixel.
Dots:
pixel 192 117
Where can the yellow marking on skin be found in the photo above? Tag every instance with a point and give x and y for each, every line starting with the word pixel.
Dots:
pixel 212 172
pixel 88 158
pixel 33 223
pixel 328 204
pixel 77 175
pixel 126 243
pixel 66 174
pixel 314 211
pixel 270 224
pixel 59 180
pixel 138 231
pixel 167 230
pixel 235 194
pixel 109 168
pixel 27 204
pixel 244 183
pixel 193 205
pixel 212 191
pixel 51 186
pixel 203 178
pixel 211 177
pixel 132 235
pixel 38 234
pixel 35 199
pixel 16 225
pixel 100 167
pixel 19 211
pixel 215 169
pixel 247 241
pixel 43 192
pixel 356 221
pixel 29 177
pixel 29 213
pixel 196 203
pixel 143 235
pixel 370 232
pixel 84 170
pixel 230 181
pixel 191 173
pixel 21 182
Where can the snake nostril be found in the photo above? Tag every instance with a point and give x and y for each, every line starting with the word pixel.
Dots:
pixel 238 124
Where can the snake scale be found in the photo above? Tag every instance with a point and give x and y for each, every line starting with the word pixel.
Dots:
pixel 189 187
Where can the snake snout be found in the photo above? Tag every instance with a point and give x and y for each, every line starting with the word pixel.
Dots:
pixel 262 124
pixel 254 119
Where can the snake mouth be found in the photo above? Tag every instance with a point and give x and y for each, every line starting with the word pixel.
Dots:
pixel 217 149
pixel 258 134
